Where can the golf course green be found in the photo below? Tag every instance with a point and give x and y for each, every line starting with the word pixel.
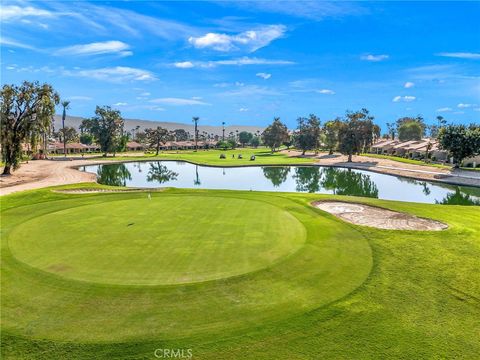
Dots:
pixel 159 240
pixel 232 274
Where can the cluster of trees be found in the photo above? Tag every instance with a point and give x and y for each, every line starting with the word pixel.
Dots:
pixel 414 128
pixel 353 134
pixel 26 117
pixel 461 141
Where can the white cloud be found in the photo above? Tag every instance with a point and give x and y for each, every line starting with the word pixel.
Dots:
pixel 178 101
pixel 250 40
pixel 14 12
pixel 315 10
pixel 461 55
pixel 251 61
pixel 325 91
pixel 120 104
pixel 79 98
pixel 374 58
pixel 252 90
pixel 405 98
pixel 115 74
pixel 97 48
pixel 183 64
pixel 464 106
pixel 408 85
pixel 233 62
pixel 243 109
pixel 13 43
pixel 264 76
pixel 444 109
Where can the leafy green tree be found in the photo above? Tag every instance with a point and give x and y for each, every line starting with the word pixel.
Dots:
pixel 255 142
pixel 330 130
pixel 157 137
pixel 25 109
pixel 406 131
pixel 275 134
pixel 460 141
pixel 107 127
pixel 356 133
pixel 244 137
pixel 86 139
pixel 276 174
pixel 113 174
pixel 307 178
pixel 232 143
pixel 308 133
pixel 86 126
pixel 411 130
pixel 160 173
pixel 122 142
pixel 180 135
pixel 67 134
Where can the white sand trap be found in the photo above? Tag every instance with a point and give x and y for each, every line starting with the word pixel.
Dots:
pixel 365 215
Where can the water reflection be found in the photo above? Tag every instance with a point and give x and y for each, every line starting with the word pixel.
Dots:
pixel 160 173
pixel 307 179
pixel 312 179
pixel 276 174
pixel 458 198
pixel 113 174
pixel 348 182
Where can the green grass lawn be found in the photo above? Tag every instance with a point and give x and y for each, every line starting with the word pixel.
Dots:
pixel 232 275
pixel 263 156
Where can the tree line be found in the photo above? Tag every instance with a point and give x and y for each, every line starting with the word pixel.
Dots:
pixel 353 134
pixel 27 117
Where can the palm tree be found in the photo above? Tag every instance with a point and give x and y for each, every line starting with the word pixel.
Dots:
pixel 195 120
pixel 223 130
pixel 65 105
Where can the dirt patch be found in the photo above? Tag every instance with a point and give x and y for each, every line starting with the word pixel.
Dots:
pixel 360 214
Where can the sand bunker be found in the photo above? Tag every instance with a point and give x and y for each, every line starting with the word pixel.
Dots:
pixel 365 215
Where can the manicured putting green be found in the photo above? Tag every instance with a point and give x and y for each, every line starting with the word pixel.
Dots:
pixel 158 241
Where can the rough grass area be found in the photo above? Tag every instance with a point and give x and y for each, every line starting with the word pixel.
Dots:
pixel 345 292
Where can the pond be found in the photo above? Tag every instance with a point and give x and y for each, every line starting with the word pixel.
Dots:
pixel 312 179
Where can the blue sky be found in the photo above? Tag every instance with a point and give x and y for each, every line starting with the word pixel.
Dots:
pixel 246 62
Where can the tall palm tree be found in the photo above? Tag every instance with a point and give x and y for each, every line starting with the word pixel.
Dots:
pixel 223 130
pixel 195 120
pixel 65 105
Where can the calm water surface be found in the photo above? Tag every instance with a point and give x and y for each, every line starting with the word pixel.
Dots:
pixel 313 179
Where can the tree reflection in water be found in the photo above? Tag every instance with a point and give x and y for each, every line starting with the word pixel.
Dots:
pixel 197 181
pixel 276 174
pixel 113 174
pixel 160 173
pixel 458 198
pixel 307 178
pixel 348 182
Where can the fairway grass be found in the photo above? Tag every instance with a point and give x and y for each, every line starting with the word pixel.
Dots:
pixel 99 276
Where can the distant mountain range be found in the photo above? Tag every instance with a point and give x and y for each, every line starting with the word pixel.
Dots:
pixel 130 124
